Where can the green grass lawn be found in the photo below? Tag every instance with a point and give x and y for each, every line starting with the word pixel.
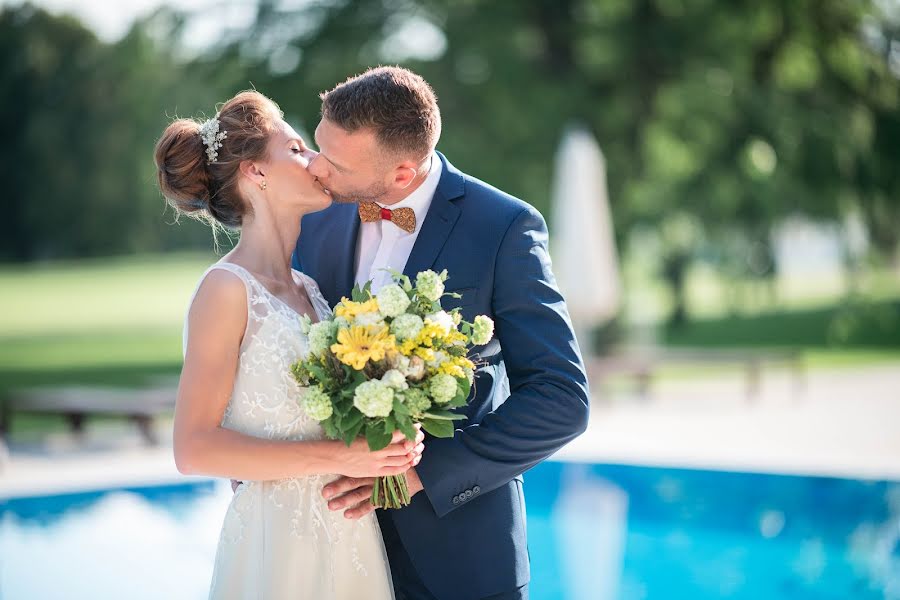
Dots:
pixel 858 326
pixel 118 321
pixel 107 322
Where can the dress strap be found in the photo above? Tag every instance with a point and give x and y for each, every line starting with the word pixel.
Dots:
pixel 254 295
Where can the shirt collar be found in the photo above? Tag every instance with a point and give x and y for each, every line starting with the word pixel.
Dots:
pixel 420 199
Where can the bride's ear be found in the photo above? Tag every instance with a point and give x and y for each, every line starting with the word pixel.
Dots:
pixel 252 170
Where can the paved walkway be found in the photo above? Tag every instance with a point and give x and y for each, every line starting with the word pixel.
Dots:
pixel 845 424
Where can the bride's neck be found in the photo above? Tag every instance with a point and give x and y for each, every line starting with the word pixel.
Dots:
pixel 267 242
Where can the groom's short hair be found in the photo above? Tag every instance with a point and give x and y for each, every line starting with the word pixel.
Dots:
pixel 398 105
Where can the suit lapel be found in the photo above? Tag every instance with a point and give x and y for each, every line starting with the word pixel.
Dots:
pixel 442 216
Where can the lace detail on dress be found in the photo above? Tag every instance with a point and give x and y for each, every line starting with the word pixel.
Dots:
pixel 264 404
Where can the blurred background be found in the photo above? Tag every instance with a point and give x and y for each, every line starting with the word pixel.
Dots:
pixel 722 186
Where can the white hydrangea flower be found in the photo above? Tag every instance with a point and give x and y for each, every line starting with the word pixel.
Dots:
pixel 317 404
pixel 416 401
pixel 367 319
pixel 341 323
pixel 430 285
pixel 442 319
pixel 440 357
pixel 374 399
pixel 482 330
pixel 321 337
pixel 305 324
pixel 392 300
pixel 442 388
pixel 406 326
pixel 395 379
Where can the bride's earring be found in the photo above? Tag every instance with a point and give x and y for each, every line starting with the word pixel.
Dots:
pixel 263 185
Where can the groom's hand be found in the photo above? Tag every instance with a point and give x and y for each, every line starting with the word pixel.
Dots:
pixel 350 494
pixel 354 495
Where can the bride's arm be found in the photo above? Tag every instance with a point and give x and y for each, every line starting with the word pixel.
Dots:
pixel 216 324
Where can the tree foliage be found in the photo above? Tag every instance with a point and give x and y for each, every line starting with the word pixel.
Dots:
pixel 728 115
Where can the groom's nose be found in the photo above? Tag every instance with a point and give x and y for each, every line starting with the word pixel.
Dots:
pixel 315 166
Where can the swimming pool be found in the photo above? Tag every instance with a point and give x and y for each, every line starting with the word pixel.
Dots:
pixel 598 532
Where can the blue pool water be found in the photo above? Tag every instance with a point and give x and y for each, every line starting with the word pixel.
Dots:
pixel 599 532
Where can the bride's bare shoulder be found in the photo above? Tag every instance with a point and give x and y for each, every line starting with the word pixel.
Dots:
pixel 221 293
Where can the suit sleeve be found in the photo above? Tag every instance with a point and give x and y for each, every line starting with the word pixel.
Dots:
pixel 548 404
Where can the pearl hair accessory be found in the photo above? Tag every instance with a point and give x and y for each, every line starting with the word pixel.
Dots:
pixel 212 138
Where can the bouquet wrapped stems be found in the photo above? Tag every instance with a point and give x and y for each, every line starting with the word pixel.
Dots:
pixel 391 491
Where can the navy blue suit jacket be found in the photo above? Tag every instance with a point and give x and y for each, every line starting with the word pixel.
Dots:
pixel 466 533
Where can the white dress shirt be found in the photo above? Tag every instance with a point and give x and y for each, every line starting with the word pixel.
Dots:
pixel 383 245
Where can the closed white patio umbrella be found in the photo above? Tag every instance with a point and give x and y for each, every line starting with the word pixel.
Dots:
pixel 583 243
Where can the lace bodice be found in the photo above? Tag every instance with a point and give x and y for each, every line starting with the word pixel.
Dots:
pixel 264 402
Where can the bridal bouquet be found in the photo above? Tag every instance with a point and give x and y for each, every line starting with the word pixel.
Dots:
pixel 387 361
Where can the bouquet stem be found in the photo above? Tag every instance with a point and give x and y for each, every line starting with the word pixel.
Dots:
pixel 390 492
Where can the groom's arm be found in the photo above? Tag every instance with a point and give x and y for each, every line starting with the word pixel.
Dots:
pixel 548 405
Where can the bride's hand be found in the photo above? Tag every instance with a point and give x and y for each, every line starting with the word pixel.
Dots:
pixel 358 461
pixel 353 495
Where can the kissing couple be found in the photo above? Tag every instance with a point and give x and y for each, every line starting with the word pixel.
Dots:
pixel 375 196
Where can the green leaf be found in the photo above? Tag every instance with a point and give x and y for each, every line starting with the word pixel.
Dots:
pixel 400 408
pixel 405 424
pixel 376 437
pixel 318 372
pixel 438 427
pixel 361 294
pixel 443 415
pixel 463 387
pixel 390 425
pixel 353 416
pixel 352 432
pixel 330 430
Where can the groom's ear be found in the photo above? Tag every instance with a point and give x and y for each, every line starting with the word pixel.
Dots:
pixel 404 174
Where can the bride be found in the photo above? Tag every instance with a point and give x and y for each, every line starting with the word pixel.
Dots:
pixel 237 414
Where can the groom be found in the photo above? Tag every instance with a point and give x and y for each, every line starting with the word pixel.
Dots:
pixel 399 204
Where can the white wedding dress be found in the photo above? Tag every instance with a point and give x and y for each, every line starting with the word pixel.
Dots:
pixel 279 540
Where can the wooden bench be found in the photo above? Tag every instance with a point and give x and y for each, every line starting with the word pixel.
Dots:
pixel 642 366
pixel 78 403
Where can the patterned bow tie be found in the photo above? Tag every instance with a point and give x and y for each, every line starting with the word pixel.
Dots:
pixel 404 218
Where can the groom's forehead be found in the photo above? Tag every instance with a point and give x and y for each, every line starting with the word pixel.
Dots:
pixel 338 143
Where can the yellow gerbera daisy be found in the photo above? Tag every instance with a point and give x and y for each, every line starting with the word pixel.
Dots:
pixel 357 345
pixel 350 310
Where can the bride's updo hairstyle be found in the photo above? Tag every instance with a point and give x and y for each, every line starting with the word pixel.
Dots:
pixel 197 166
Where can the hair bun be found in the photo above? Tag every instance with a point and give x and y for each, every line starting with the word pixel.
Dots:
pixel 181 167
pixel 211 191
